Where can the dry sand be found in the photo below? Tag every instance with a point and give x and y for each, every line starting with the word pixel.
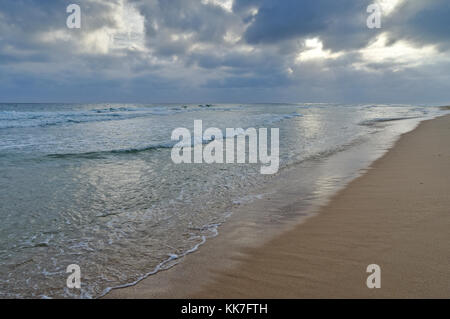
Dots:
pixel 397 215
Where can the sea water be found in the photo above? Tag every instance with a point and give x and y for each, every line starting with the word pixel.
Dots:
pixel 94 184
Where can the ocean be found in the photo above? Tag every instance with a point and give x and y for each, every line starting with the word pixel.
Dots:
pixel 95 185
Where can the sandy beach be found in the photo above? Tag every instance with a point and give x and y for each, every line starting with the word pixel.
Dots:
pixel 396 215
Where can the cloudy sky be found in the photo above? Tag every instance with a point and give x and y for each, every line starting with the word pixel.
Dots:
pixel 210 51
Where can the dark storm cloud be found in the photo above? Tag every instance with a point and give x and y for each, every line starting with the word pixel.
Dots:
pixel 23 23
pixel 341 23
pixel 424 22
pixel 194 49
pixel 190 20
pixel 25 18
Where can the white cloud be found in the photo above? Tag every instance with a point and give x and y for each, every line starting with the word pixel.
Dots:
pixel 227 5
pixel 314 51
pixel 400 54
pixel 389 6
pixel 127 32
pixel 130 33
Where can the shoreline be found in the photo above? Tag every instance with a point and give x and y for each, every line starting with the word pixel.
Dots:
pixel 306 258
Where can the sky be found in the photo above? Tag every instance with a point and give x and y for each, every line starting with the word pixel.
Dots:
pixel 225 51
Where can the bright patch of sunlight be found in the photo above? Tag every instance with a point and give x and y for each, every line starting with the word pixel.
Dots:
pixel 314 51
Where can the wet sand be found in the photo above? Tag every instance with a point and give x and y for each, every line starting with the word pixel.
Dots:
pixel 397 215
